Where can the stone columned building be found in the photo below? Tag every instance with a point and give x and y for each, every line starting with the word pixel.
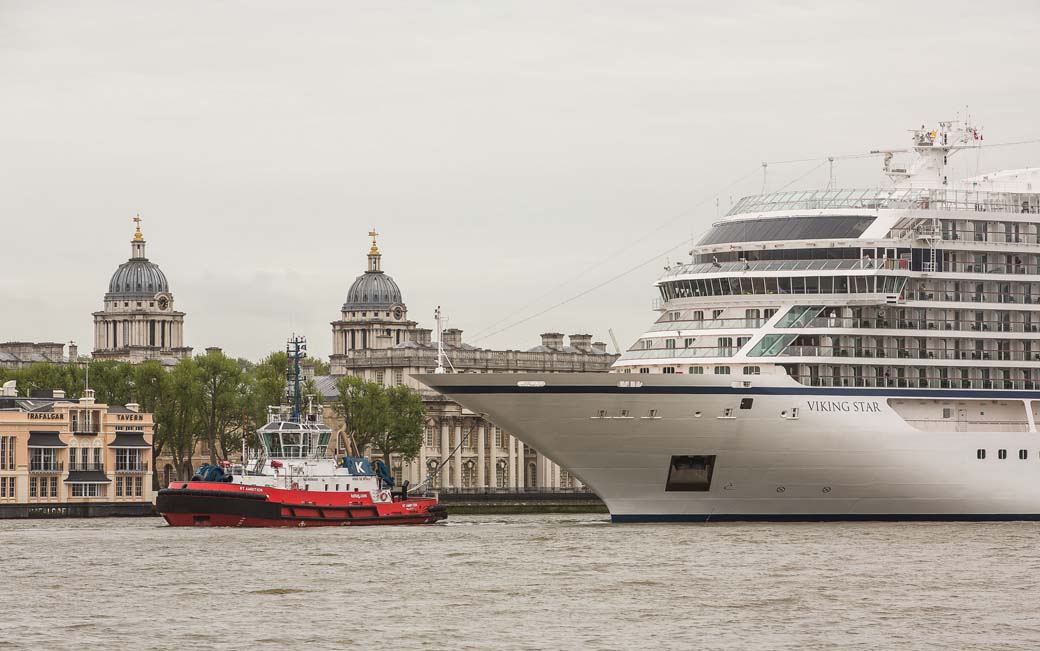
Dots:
pixel 139 320
pixel 374 316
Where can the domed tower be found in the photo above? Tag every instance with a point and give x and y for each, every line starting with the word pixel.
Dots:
pixel 139 321
pixel 373 317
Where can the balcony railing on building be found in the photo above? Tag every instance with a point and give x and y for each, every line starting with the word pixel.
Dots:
pixel 81 466
pixel 130 468
pixel 84 428
pixel 46 466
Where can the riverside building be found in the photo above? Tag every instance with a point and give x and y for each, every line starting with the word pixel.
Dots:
pixel 373 339
pixel 139 320
pixel 61 457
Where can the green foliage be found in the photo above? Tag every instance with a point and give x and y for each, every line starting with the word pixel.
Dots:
pixel 389 419
pixel 221 400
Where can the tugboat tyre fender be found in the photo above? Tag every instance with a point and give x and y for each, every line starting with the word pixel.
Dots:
pixel 384 496
pixel 296 486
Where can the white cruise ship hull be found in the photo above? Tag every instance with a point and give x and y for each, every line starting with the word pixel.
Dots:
pixel 794 453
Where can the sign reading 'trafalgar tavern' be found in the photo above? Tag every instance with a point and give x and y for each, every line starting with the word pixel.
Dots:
pixel 45 415
pixel 129 417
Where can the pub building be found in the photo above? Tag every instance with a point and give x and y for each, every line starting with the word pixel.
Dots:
pixel 69 457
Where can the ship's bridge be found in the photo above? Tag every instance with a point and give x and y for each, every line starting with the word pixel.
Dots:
pixel 286 439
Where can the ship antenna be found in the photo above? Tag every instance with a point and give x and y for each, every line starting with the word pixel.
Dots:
pixel 440 341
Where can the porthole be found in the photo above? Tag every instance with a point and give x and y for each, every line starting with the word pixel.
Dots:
pixel 1002 454
pixel 696 414
pixel 980 454
pixel 1023 454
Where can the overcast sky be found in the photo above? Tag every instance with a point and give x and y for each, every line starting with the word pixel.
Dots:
pixel 511 154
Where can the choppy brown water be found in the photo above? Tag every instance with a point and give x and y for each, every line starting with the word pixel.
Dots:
pixel 519 582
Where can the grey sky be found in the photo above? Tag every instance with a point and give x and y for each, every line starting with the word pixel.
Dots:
pixel 501 148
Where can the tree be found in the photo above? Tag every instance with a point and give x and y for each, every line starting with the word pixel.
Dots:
pixel 221 402
pixel 405 424
pixel 179 414
pixel 360 419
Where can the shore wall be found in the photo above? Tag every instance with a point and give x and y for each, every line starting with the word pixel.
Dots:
pixel 90 510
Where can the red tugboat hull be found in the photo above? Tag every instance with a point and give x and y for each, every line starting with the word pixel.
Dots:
pixel 215 504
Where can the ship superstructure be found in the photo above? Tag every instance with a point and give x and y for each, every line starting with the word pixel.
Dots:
pixel 824 354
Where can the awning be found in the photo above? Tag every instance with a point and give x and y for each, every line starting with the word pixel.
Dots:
pixel 45 440
pixel 87 477
pixel 129 440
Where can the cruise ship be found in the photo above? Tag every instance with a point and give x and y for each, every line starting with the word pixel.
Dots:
pixel 823 355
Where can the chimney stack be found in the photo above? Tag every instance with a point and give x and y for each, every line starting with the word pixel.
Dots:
pixel 582 342
pixel 10 389
pixel 133 406
pixel 452 337
pixel 58 393
pixel 73 351
pixel 88 397
pixel 599 347
pixel 552 340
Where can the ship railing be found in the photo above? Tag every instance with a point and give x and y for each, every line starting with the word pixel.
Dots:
pixel 707 324
pixel 891 352
pixel 871 382
pixel 1004 298
pixel 672 353
pixel 956 325
pixel 890 199
pixel 967 235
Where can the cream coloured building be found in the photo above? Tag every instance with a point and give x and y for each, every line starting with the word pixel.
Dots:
pixel 374 340
pixel 63 457
pixel 139 320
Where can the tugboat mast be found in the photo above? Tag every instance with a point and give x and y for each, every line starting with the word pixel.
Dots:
pixel 295 350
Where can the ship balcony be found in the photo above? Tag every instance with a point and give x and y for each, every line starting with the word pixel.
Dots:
pixel 918 383
pixel 909 353
pixel 955 325
pixel 708 324
pixel 1004 298
pixel 46 467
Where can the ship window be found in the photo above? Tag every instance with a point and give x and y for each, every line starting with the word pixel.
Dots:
pixel 980 454
pixel 1023 454
pixel 1002 454
pixel 947 412
pixel 624 413
pixel 727 412
pixel 652 414
pixel 696 370
pixel 690 473
pixel 786 228
pixel 721 370
pixel 752 370
pixel 745 403
pixel 602 413
pixel 696 414
pixel 644 369
pixel 716 314
pixel 668 369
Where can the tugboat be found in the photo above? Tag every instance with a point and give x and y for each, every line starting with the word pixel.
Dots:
pixel 294 483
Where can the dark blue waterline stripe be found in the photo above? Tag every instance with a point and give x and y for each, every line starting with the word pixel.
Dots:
pixel 795 517
pixel 778 391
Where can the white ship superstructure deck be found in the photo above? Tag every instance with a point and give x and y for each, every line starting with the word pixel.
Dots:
pixel 829 353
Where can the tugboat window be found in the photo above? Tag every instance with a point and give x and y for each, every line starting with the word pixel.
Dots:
pixel 690 473
pixel 745 403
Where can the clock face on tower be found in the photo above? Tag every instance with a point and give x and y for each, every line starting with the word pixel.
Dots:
pixel 163 302
pixel 398 313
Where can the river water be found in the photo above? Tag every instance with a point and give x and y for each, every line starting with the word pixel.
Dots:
pixel 519 582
